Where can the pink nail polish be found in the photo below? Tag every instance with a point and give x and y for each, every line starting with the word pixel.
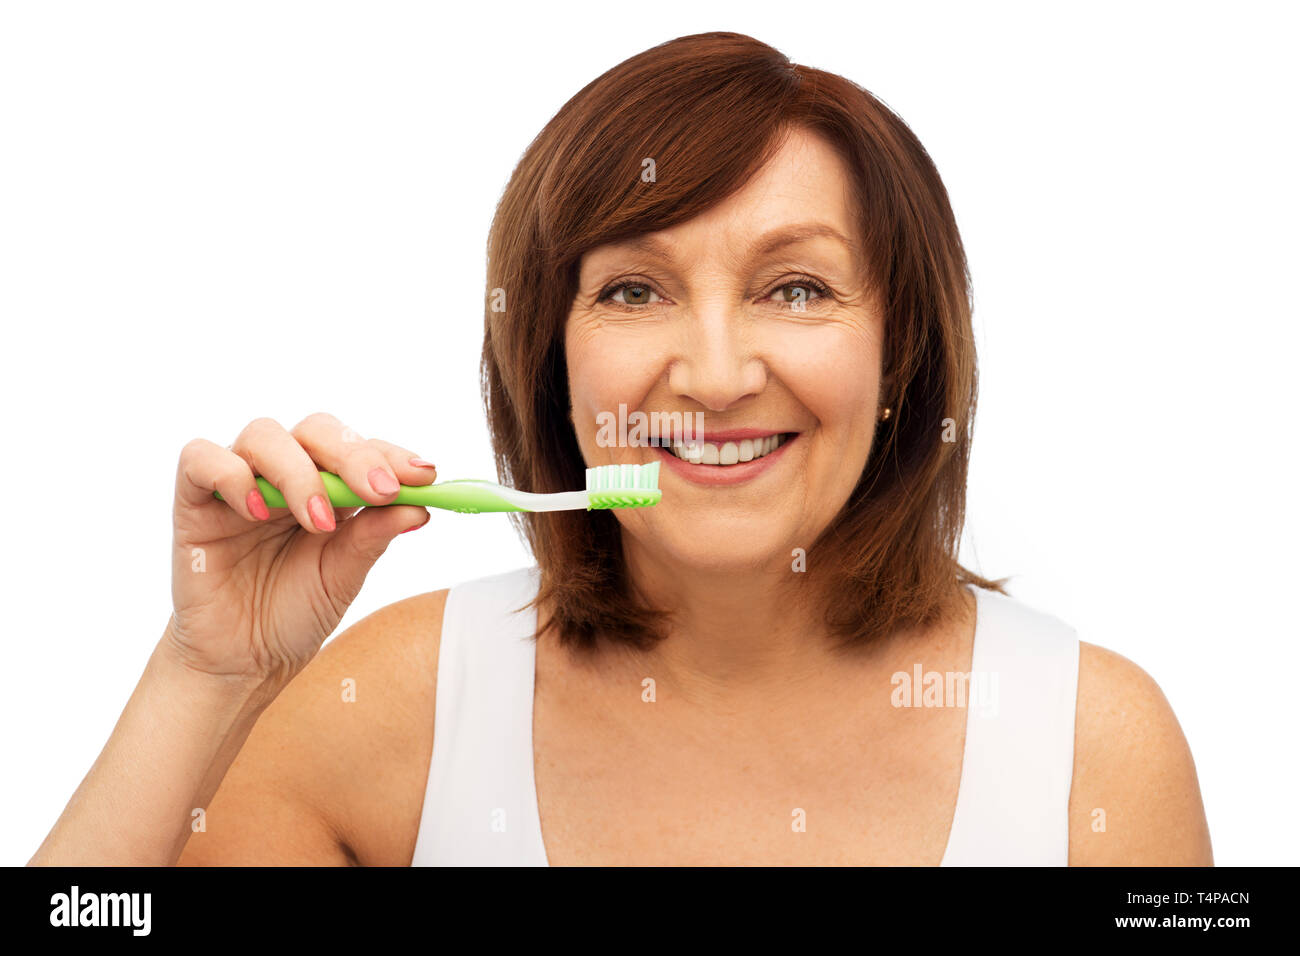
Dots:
pixel 321 514
pixel 414 527
pixel 257 505
pixel 421 463
pixel 382 482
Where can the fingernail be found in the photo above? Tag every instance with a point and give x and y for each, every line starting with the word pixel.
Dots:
pixel 382 482
pixel 321 514
pixel 257 505
pixel 421 463
pixel 414 527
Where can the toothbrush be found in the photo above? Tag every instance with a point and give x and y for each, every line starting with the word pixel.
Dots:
pixel 608 486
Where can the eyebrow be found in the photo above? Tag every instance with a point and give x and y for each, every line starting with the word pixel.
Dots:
pixel 769 243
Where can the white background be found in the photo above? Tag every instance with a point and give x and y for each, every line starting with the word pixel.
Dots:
pixel 214 212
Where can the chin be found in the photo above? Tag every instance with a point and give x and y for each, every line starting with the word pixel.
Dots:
pixel 717 545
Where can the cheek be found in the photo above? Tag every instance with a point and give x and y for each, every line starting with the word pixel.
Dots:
pixel 834 372
pixel 608 367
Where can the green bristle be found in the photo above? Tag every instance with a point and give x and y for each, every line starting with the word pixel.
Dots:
pixel 623 486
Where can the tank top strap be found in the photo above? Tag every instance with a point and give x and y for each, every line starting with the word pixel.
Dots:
pixel 480 805
pixel 1018 764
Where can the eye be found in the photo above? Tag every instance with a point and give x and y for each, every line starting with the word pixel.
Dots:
pixel 799 291
pixel 634 293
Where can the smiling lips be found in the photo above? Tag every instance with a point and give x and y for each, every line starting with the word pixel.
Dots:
pixel 725 458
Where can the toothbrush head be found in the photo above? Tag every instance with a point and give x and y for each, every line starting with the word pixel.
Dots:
pixel 623 486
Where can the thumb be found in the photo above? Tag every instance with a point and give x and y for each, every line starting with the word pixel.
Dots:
pixel 359 541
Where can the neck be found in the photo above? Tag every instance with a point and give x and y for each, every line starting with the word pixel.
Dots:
pixel 733 633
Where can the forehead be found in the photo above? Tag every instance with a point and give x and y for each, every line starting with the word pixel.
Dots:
pixel 803 193
pixel 805 179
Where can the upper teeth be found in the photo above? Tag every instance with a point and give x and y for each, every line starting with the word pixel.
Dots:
pixel 726 453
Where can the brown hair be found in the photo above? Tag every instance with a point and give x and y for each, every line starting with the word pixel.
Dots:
pixel 711 109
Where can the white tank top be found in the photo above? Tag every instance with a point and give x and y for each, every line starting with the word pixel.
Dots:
pixel 480 803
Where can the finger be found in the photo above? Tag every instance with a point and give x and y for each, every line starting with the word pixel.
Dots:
pixel 363 467
pixel 206 467
pixel 276 456
pixel 409 467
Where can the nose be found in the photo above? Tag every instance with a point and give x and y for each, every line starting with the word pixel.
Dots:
pixel 716 362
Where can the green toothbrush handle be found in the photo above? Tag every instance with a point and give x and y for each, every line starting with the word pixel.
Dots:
pixel 464 495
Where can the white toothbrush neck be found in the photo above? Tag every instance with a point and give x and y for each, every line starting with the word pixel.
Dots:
pixel 561 501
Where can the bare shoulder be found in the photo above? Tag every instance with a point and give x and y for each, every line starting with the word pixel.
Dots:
pixel 1135 799
pixel 335 769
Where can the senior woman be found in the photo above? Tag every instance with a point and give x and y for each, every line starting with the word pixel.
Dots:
pixel 761 668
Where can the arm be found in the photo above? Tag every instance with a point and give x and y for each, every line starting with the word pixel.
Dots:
pixel 1133 772
pixel 254 596
pixel 167 754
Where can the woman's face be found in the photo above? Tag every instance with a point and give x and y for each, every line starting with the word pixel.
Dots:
pixel 756 315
